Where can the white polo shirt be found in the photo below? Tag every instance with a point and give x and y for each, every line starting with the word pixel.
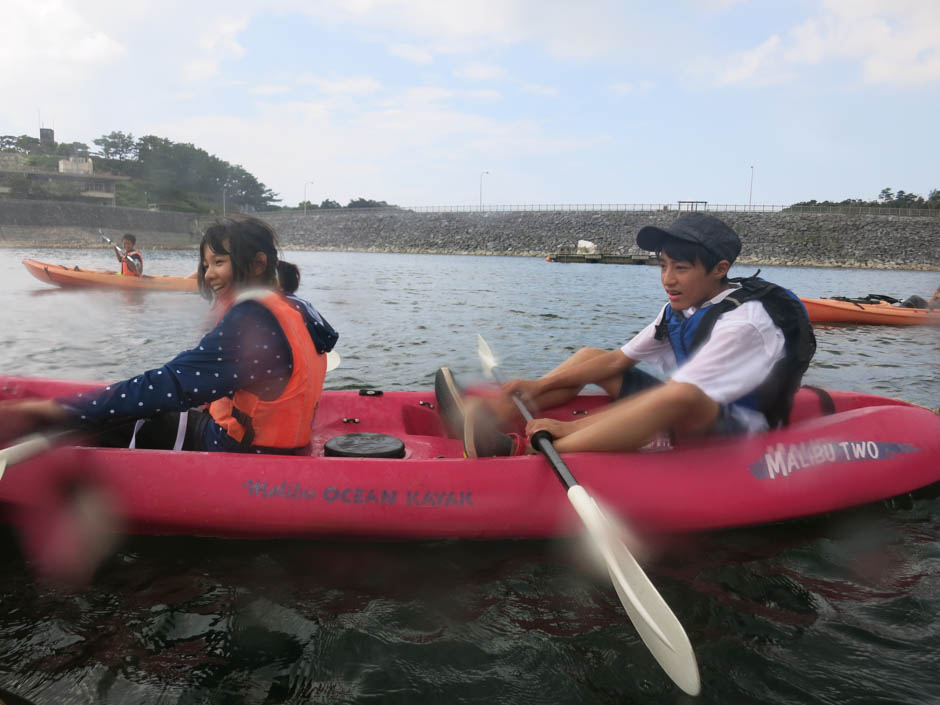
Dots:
pixel 743 347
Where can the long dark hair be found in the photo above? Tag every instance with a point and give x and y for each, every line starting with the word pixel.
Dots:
pixel 246 236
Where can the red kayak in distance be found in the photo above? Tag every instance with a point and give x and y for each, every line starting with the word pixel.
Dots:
pixel 842 449
pixel 75 277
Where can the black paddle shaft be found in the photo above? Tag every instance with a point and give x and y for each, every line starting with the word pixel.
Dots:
pixel 542 440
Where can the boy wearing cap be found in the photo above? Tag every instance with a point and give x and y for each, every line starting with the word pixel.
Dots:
pixel 734 352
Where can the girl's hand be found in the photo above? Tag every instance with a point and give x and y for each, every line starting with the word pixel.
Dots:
pixel 20 418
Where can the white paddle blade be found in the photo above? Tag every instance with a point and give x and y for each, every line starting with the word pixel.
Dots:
pixel 24 450
pixel 332 360
pixel 487 358
pixel 656 624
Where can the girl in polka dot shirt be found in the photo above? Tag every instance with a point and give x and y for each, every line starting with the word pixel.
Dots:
pixel 247 351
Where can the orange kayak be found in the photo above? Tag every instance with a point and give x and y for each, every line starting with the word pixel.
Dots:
pixel 883 313
pixel 74 277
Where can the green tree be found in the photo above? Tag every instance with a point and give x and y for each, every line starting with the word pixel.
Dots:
pixel 366 203
pixel 117 145
pixel 886 195
pixel 908 200
pixel 178 176
pixel 28 145
pixel 330 203
pixel 72 149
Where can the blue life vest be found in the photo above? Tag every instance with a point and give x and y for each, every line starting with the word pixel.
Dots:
pixel 774 396
pixel 682 330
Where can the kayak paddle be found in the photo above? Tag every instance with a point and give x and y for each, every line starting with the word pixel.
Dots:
pixel 656 624
pixel 332 360
pixel 28 447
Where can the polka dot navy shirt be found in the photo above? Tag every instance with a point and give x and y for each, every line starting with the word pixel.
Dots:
pixel 246 350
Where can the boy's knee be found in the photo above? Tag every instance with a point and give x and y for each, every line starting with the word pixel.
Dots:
pixel 684 395
pixel 589 352
pixel 693 409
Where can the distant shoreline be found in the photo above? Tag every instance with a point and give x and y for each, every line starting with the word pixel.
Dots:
pixel 769 239
pixel 742 261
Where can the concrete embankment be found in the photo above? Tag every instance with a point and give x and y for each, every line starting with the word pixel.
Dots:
pixel 831 240
pixel 767 238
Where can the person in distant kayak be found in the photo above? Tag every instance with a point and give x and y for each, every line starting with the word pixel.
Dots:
pixel 132 262
pixel 934 303
pixel 735 351
pixel 259 371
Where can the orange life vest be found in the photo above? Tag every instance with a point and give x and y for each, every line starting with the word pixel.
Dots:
pixel 125 270
pixel 284 422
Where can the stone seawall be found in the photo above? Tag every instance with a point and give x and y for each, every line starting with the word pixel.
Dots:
pixel 768 238
pixel 830 240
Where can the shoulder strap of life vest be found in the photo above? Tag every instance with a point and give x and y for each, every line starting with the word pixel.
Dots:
pixel 662 328
pixel 788 313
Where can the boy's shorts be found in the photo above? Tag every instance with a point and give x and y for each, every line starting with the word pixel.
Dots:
pixel 729 422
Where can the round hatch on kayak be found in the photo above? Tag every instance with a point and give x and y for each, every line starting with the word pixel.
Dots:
pixel 365 445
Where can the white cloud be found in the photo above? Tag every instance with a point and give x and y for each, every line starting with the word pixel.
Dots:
pixel 409 138
pixel 52 39
pixel 414 128
pixel 53 59
pixel 720 5
pixel 478 71
pixel 627 88
pixel 759 65
pixel 425 94
pixel 198 70
pixel 896 41
pixel 595 28
pixel 355 85
pixel 412 53
pixel 893 42
pixel 539 89
pixel 486 95
pixel 270 89
pixel 216 45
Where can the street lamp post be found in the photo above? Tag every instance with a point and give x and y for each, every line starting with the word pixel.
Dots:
pixel 481 189
pixel 750 191
pixel 305 195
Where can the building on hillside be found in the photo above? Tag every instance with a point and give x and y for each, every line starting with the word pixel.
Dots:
pixel 75 179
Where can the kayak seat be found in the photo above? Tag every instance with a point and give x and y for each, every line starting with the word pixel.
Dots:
pixel 364 445
pixel 422 420
pixel 914 301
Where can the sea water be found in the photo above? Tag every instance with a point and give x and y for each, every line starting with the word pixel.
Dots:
pixel 837 609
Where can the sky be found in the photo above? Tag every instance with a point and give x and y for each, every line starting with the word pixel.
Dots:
pixel 438 103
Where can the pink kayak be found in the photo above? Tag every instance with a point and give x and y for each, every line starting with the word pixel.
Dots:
pixel 867 448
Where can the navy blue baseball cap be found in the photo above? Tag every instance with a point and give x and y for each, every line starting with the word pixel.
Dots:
pixel 713 234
